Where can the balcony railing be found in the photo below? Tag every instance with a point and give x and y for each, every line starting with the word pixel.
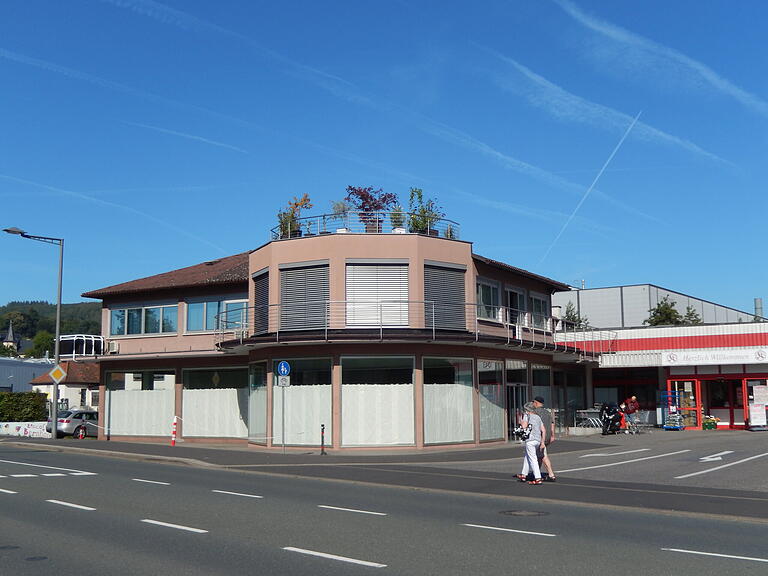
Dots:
pixel 353 222
pixel 333 320
pixel 74 346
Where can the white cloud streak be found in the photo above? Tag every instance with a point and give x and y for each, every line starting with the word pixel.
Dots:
pixel 187 136
pixel 113 205
pixel 654 55
pixel 466 141
pixel 569 107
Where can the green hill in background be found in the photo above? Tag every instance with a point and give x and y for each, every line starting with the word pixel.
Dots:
pixel 30 318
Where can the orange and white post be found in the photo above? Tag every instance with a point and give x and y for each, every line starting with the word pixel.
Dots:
pixel 173 431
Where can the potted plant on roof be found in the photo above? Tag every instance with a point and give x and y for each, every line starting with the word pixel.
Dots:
pixel 340 215
pixel 370 204
pixel 397 217
pixel 424 214
pixel 288 217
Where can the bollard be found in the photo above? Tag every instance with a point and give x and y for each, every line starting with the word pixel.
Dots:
pixel 173 431
pixel 322 440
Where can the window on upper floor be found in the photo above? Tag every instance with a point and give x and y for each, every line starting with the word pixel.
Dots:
pixel 143 320
pixel 206 315
pixel 488 300
pixel 515 302
pixel 540 310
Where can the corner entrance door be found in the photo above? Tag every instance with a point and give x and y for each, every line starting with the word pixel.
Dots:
pixel 257 403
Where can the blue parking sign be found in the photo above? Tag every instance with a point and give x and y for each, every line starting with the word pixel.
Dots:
pixel 283 368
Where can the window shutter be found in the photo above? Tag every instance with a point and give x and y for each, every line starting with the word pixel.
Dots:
pixel 304 298
pixel 261 304
pixel 377 294
pixel 444 287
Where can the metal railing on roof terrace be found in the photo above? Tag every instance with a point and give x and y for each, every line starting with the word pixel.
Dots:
pixel 353 222
pixel 324 320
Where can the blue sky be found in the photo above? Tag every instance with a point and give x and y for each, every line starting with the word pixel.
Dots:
pixel 153 136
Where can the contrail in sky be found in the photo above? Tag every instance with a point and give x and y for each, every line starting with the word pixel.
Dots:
pixel 187 136
pixel 106 203
pixel 583 198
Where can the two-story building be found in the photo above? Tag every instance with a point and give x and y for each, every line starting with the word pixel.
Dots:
pixel 393 338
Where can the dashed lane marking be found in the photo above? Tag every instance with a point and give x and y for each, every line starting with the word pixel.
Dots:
pixel 7 491
pixel 71 505
pixel 176 526
pixel 700 553
pixel 510 530
pixel 237 494
pixel 351 510
pixel 615 453
pixel 335 557
pixel 151 481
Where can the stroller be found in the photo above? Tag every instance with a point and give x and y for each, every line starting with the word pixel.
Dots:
pixel 611 417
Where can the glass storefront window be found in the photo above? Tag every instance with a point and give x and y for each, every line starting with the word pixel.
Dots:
pixel 448 391
pixel 490 375
pixel 216 378
pixel 377 401
pixel 307 403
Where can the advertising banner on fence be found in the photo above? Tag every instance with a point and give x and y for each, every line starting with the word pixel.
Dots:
pixel 24 429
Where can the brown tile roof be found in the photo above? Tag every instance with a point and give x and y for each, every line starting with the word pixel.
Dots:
pixel 502 266
pixel 77 373
pixel 228 270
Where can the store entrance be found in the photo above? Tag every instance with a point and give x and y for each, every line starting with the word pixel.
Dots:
pixel 517 396
pixel 724 399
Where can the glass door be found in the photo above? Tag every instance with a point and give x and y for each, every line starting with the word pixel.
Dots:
pixel 685 395
pixel 257 403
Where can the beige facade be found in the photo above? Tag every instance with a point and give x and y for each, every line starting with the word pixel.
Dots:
pixel 414 371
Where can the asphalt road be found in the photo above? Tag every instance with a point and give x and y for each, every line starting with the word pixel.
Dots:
pixel 74 514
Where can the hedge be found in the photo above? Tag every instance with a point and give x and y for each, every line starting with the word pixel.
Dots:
pixel 23 407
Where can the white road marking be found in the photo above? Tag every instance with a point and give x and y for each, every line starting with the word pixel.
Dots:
pixel 8 491
pixel 715 457
pixel 624 462
pixel 718 555
pixel 83 474
pixel 176 526
pixel 41 466
pixel 53 474
pixel 510 530
pixel 334 557
pixel 351 510
pixel 721 467
pixel 69 504
pixel 151 481
pixel 23 475
pixel 237 494
pixel 616 453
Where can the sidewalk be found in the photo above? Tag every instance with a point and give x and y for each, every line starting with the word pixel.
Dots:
pixel 229 455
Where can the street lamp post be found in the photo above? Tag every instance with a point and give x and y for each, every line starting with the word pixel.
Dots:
pixel 56 357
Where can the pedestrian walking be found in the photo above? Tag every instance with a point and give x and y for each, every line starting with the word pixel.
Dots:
pixel 549 426
pixel 535 442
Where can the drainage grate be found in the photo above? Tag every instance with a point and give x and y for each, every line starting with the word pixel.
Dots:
pixel 523 513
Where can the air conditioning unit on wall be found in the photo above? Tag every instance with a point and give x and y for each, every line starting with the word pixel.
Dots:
pixel 113 347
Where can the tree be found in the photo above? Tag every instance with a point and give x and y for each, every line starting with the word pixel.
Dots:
pixel 664 314
pixel 370 203
pixel 7 351
pixel 572 317
pixel 24 326
pixel 691 317
pixel 43 342
pixel 424 213
pixel 288 217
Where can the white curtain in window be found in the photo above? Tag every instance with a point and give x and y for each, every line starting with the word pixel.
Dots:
pixel 140 412
pixel 216 413
pixel 448 413
pixel 491 412
pixel 377 414
pixel 306 409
